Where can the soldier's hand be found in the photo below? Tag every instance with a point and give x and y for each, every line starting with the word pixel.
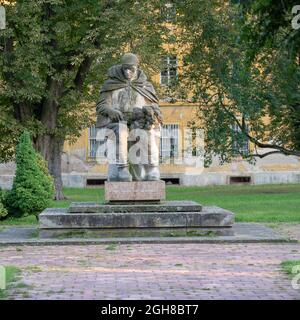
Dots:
pixel 115 115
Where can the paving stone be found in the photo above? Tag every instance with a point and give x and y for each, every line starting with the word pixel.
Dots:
pixel 154 271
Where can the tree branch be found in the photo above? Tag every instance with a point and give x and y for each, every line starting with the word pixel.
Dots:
pixel 82 72
pixel 280 149
pixel 257 155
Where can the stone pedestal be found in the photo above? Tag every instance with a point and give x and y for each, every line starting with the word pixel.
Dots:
pixel 136 209
pixel 135 191
pixel 169 218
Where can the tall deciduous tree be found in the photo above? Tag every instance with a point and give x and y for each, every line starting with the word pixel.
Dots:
pixel 243 68
pixel 54 56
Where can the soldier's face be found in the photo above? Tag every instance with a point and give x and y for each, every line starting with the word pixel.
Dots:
pixel 130 71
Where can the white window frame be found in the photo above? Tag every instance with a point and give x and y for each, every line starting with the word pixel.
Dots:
pixel 94 143
pixel 169 131
pixel 169 12
pixel 245 148
pixel 168 65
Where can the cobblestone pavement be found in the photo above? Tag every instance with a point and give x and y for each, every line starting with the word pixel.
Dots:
pixel 152 271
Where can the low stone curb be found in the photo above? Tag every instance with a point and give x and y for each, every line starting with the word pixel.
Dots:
pixel 166 240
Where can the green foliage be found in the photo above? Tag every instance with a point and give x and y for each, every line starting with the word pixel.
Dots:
pixel 244 75
pixel 32 188
pixel 54 58
pixel 3 211
pixel 49 181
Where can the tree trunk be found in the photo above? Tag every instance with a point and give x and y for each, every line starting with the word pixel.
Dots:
pixel 49 144
pixel 51 148
pixel 55 167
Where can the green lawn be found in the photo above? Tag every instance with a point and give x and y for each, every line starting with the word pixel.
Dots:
pixel 11 274
pixel 264 203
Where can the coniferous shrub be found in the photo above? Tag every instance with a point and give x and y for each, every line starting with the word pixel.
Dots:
pixel 3 211
pixel 32 188
pixel 49 182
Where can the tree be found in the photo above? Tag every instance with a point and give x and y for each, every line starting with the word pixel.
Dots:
pixel 32 188
pixel 243 69
pixel 54 57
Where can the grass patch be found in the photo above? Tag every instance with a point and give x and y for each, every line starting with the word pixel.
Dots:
pixel 11 275
pixel 34 234
pixel 250 203
pixel 24 221
pixel 34 268
pixel 79 195
pixel 288 266
pixel 72 234
pixel 82 263
pixel 23 286
pixel 111 247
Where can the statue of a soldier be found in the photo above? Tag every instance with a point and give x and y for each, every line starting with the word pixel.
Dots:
pixel 128 100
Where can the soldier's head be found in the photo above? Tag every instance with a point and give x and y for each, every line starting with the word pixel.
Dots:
pixel 130 64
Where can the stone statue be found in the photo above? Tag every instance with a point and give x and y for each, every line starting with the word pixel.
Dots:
pixel 128 100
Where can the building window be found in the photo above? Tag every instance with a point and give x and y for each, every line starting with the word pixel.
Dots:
pixel 168 74
pixel 2 18
pixel 168 12
pixel 94 150
pixel 240 143
pixel 169 142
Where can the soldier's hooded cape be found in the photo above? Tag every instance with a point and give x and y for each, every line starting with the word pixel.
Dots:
pixel 117 81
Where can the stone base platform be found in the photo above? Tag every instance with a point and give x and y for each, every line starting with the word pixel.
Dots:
pixel 133 233
pixel 139 207
pixel 180 218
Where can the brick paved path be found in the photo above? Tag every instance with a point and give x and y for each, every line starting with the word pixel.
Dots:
pixel 152 271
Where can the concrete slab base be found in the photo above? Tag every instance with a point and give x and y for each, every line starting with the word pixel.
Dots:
pixel 243 233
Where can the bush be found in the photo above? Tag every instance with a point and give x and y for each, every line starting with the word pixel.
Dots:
pixel 49 182
pixel 3 211
pixel 32 188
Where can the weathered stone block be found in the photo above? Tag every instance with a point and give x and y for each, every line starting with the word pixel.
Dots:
pixel 208 217
pixel 164 206
pixel 134 232
pixel 212 216
pixel 135 191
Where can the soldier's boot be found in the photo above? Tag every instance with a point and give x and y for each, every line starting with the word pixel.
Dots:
pixel 152 173
pixel 123 173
